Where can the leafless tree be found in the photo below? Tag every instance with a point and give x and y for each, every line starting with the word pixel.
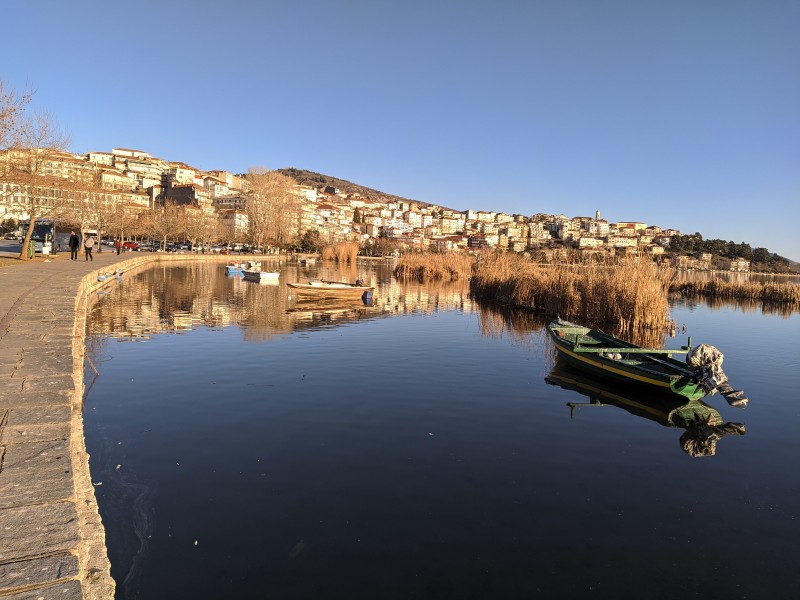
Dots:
pixel 273 210
pixel 38 140
pixel 12 107
pixel 200 227
pixel 167 221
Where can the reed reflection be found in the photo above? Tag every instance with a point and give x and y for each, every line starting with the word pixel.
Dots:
pixel 498 320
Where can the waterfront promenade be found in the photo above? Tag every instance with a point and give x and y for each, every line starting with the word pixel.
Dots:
pixel 52 541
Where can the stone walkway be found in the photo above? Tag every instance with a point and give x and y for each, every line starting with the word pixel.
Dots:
pixel 52 542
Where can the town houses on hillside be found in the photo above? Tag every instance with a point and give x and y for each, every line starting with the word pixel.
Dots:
pixel 136 182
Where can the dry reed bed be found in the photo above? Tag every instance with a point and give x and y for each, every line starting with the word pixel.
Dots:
pixel 631 297
pixel 426 267
pixel 765 292
pixel 342 252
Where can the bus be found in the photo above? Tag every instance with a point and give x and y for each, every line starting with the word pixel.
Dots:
pixel 45 236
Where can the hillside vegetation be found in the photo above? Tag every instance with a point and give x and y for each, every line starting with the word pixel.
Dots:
pixel 316 180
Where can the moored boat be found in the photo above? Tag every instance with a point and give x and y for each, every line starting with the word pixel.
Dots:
pixel 601 354
pixel 234 268
pixel 330 289
pixel 256 274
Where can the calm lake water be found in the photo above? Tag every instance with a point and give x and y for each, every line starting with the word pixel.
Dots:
pixel 246 445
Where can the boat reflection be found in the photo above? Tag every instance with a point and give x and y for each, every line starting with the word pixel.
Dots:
pixel 331 311
pixel 703 425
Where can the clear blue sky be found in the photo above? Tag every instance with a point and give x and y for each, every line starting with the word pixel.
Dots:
pixel 679 113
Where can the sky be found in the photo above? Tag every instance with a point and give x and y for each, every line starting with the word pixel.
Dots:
pixel 683 114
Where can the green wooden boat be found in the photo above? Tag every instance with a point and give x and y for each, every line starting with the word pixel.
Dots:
pixel 601 354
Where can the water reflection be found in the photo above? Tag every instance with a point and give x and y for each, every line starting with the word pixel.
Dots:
pixel 498 320
pixel 423 456
pixel 744 305
pixel 733 277
pixel 703 425
pixel 172 298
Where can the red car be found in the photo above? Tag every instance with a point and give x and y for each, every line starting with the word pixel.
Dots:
pixel 130 245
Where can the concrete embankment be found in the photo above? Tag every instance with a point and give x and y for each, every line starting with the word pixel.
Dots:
pixel 52 541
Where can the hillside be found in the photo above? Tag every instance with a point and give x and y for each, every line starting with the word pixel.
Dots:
pixel 317 180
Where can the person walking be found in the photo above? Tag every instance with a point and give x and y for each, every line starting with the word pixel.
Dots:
pixel 117 245
pixel 88 246
pixel 74 244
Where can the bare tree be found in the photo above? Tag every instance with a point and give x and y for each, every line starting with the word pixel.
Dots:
pixel 121 221
pixel 37 141
pixel 199 227
pixel 12 107
pixel 167 221
pixel 273 210
pixel 84 203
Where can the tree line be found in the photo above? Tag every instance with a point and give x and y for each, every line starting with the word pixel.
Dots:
pixel 689 244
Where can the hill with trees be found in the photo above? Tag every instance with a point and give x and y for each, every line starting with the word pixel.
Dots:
pixel 317 180
pixel 760 259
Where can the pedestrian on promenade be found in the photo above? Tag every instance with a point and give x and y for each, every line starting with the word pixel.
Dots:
pixel 88 246
pixel 117 245
pixel 74 244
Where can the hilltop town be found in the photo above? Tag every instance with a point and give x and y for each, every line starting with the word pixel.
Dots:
pixel 135 183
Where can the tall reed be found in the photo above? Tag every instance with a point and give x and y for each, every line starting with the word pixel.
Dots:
pixel 342 252
pixel 751 290
pixel 426 267
pixel 632 296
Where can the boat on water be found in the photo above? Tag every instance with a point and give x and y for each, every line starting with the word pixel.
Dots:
pixel 606 356
pixel 256 274
pixel 320 288
pixel 234 269
pixel 703 424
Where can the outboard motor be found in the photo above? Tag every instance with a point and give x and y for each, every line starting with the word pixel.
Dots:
pixel 706 362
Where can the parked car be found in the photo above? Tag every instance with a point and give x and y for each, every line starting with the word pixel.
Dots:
pixel 146 247
pixel 130 245
pixel 11 236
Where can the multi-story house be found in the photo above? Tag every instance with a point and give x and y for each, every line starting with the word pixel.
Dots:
pixel 739 264
pixel 586 241
pixel 118 180
pixel 622 241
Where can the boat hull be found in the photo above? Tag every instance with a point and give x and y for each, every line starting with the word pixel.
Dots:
pixel 329 290
pixel 665 375
pixel 263 276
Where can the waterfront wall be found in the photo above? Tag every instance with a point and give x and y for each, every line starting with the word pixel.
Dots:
pixel 52 539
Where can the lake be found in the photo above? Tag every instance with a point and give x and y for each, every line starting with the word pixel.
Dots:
pixel 245 444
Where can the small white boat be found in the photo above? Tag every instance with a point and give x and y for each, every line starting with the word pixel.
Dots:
pixel 259 275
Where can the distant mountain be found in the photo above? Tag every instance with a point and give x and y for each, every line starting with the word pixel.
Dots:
pixel 310 178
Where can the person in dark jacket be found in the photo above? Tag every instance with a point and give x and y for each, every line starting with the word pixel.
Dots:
pixel 74 244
